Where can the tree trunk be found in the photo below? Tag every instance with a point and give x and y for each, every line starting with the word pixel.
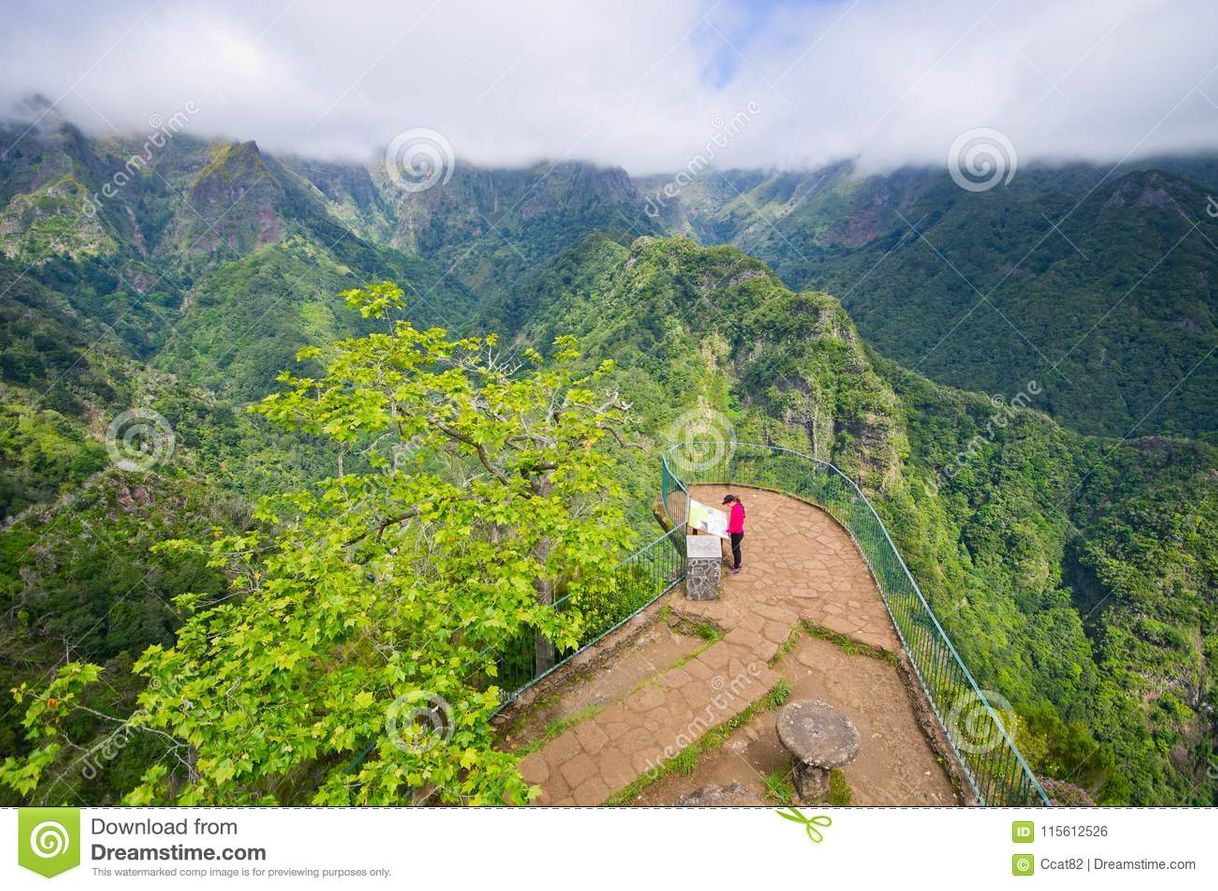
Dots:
pixel 544 654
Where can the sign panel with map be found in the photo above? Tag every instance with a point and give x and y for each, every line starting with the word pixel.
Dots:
pixel 707 519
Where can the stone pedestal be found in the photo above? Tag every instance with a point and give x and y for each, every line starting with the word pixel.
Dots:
pixel 811 783
pixel 820 738
pixel 703 567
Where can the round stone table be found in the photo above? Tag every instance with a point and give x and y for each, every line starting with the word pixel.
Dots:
pixel 820 738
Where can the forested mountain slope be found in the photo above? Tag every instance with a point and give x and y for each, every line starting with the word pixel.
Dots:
pixel 176 280
pixel 1098 282
pixel 1075 573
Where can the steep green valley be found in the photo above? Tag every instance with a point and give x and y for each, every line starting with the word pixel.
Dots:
pixel 1035 549
pixel 1065 533
pixel 1096 281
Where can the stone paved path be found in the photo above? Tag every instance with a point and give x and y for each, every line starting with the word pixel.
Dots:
pixel 895 765
pixel 799 564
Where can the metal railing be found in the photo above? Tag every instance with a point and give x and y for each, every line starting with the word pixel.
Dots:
pixel 636 583
pixel 989 758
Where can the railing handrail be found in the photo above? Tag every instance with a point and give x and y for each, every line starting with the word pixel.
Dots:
pixel 858 493
pixel 509 696
pixel 490 652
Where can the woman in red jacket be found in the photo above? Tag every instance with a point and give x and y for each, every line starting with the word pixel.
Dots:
pixel 735 528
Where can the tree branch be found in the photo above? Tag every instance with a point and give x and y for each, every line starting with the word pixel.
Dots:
pixel 477 447
pixel 380 530
pixel 618 436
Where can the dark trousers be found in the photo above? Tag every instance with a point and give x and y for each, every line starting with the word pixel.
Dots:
pixel 737 537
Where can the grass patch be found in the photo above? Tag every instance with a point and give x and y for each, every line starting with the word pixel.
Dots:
pixel 701 648
pixel 558 727
pixel 778 788
pixel 780 791
pixel 839 790
pixel 703 628
pixel 788 646
pixel 777 696
pixel 687 761
pixel 708 632
pixel 540 704
pixel 847 644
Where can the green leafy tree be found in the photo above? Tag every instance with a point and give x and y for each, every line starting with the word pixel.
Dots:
pixel 377 606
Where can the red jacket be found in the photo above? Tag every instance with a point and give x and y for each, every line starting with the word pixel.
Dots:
pixel 735 520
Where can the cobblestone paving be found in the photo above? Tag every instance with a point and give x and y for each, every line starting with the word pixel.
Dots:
pixel 798 564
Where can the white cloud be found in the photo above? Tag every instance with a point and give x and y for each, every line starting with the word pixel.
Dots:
pixel 637 83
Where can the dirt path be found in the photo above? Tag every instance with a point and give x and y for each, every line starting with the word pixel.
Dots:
pixel 799 565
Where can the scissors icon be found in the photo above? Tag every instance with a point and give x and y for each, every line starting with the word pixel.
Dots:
pixel 810 824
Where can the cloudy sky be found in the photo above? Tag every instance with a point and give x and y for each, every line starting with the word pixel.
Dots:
pixel 641 83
